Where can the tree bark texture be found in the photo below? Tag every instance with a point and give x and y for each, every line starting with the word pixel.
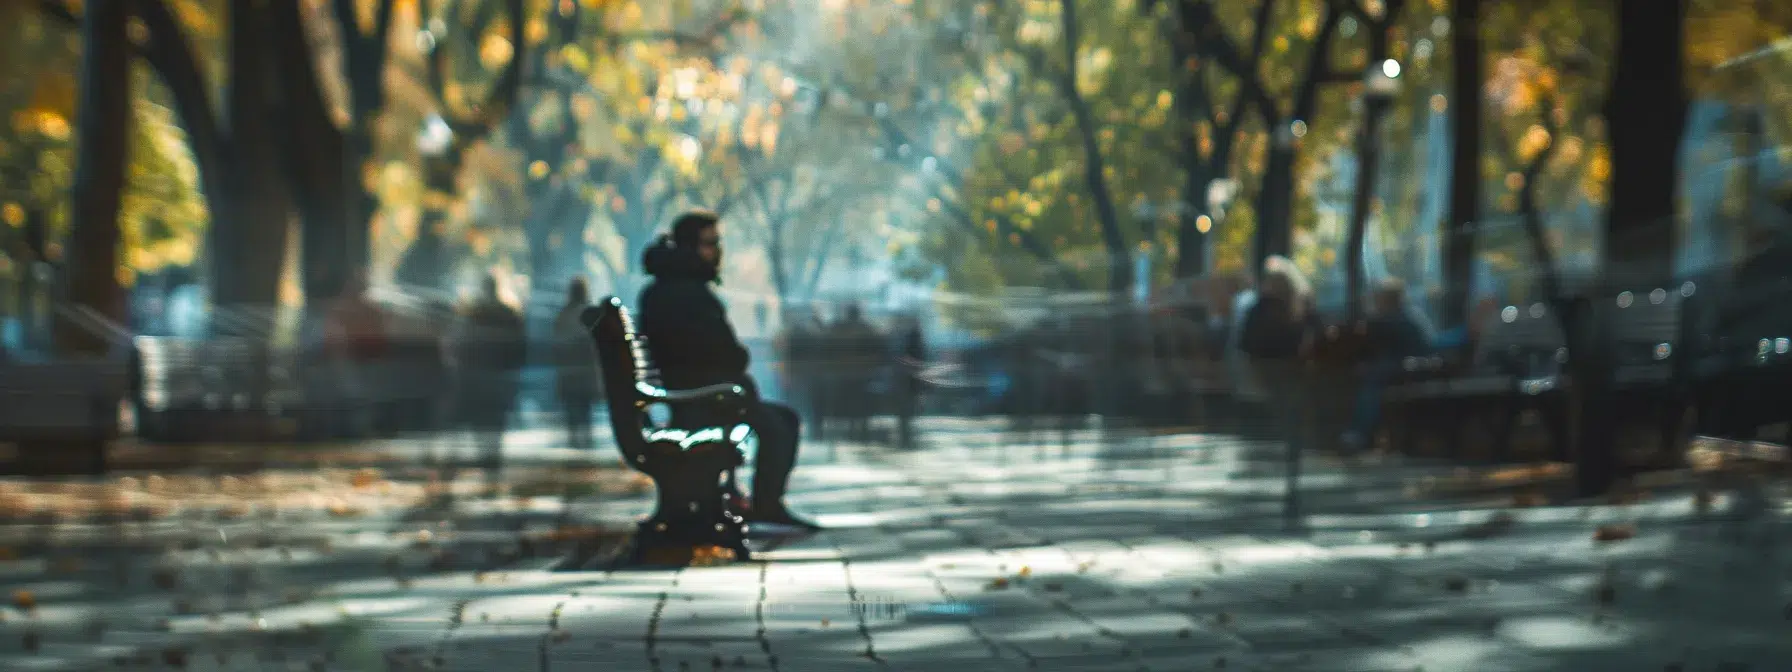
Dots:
pixel 103 125
pixel 1458 231
pixel 1647 111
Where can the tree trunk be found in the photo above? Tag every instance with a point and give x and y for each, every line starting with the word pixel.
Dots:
pixel 103 128
pixel 313 149
pixel 1094 162
pixel 171 56
pixel 1368 154
pixel 1274 235
pixel 1466 106
pixel 248 235
pixel 1647 116
pixel 824 250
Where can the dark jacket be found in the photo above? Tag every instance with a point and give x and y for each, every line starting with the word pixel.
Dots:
pixel 489 340
pixel 1395 337
pixel 1271 331
pixel 687 328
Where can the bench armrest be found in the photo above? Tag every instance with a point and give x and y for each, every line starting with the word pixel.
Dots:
pixel 725 393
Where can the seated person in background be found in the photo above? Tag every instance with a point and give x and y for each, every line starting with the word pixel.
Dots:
pixel 1395 332
pixel 687 328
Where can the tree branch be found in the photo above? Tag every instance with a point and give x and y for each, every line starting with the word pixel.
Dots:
pixel 168 53
pixel 365 55
pixel 1211 40
pixel 702 38
pixel 483 118
pixel 1094 163
pixel 1528 210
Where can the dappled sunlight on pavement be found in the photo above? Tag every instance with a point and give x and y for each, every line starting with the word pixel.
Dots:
pixel 1119 551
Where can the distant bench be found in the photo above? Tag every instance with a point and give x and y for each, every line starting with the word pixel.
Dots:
pixel 218 389
pixel 56 418
pixel 1519 367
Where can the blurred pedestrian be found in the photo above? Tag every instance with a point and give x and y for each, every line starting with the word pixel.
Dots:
pixel 909 383
pixel 575 368
pixel 1278 334
pixel 860 352
pixel 489 349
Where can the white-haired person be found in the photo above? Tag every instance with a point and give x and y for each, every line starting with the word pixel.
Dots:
pixel 1279 332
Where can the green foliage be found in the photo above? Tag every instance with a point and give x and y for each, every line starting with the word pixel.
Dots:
pixel 163 215
pixel 943 132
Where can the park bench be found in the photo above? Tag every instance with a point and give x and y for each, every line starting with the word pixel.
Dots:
pixel 1514 368
pixel 1742 373
pixel 218 389
pixel 691 461
pixel 1652 334
pixel 57 417
pixel 1519 369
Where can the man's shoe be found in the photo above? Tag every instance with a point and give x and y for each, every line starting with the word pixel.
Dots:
pixel 783 518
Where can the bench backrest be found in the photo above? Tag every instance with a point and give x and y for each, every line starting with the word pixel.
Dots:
pixel 623 359
pixel 1648 328
pixel 1525 336
pixel 213 374
pixel 61 396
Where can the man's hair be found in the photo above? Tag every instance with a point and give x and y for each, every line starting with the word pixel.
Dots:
pixel 688 229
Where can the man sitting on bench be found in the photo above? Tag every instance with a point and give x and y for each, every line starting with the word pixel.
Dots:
pixel 688 332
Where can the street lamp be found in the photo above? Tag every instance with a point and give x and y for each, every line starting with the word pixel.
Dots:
pixel 1381 84
pixel 435 138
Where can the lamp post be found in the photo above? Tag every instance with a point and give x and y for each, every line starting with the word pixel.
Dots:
pixel 1380 86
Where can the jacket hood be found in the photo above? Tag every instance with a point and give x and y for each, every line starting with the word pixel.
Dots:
pixel 666 261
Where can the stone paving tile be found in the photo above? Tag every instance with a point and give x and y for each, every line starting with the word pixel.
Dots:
pixel 967 555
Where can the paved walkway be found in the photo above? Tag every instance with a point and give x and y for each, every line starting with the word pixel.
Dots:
pixel 1160 553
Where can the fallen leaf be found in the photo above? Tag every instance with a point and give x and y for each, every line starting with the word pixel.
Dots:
pixel 25 600
pixel 1609 533
pixel 364 479
pixel 998 584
